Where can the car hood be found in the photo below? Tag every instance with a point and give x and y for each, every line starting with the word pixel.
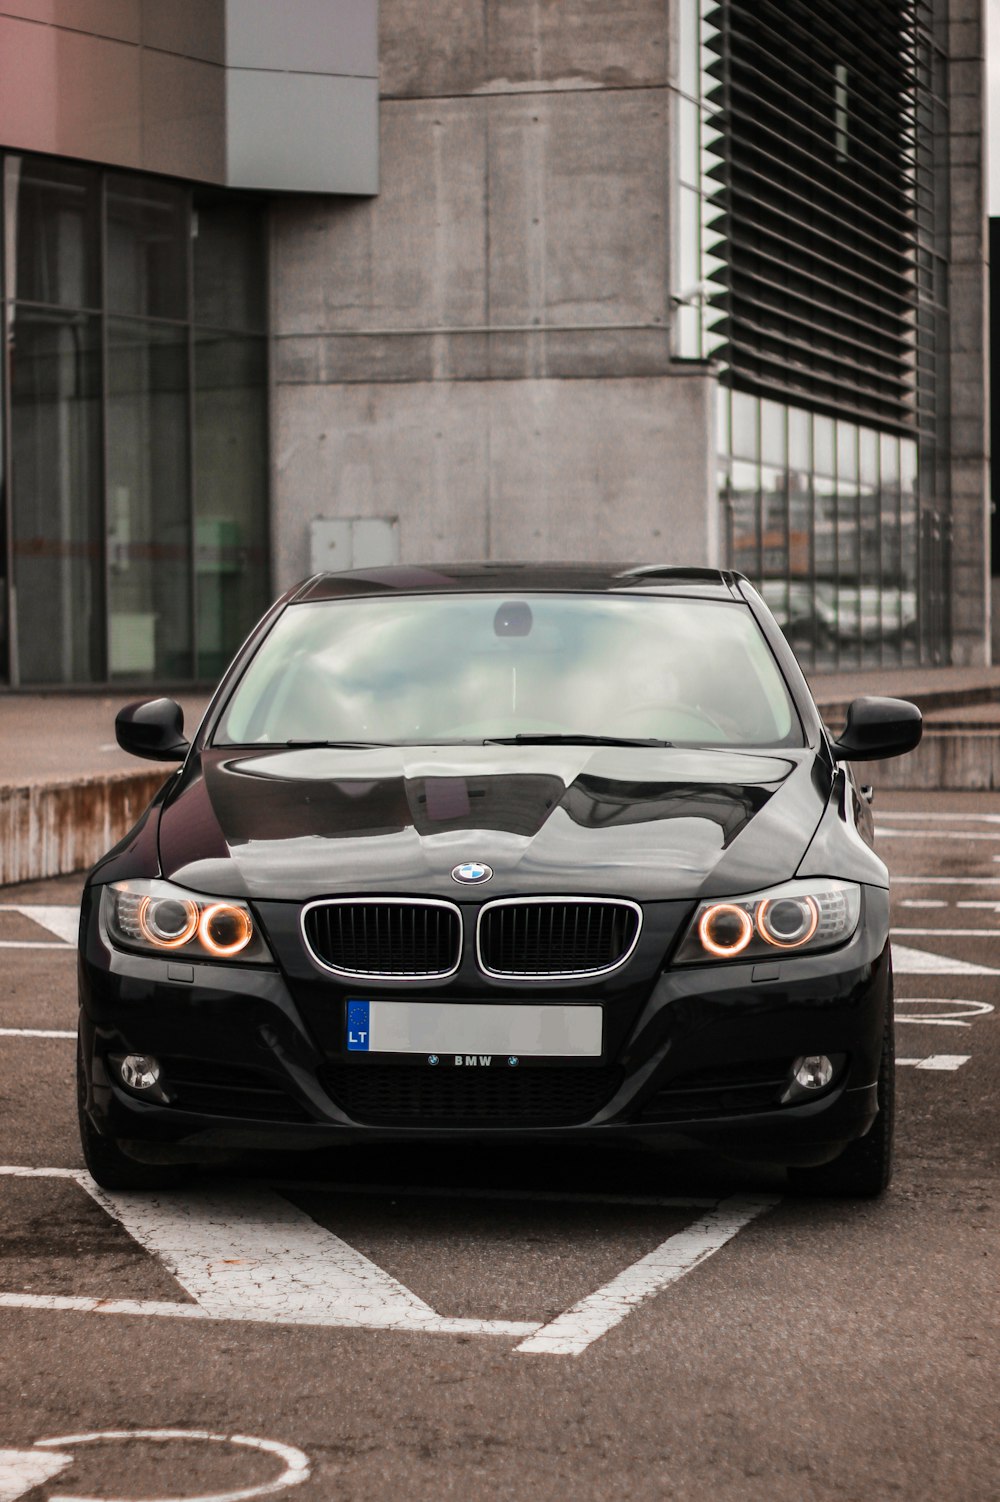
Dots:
pixel 293 824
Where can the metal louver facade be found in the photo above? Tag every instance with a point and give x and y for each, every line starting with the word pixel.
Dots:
pixel 820 196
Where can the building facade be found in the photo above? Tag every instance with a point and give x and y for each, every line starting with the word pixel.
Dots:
pixel 490 279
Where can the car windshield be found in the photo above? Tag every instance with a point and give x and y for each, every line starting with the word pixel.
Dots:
pixel 427 669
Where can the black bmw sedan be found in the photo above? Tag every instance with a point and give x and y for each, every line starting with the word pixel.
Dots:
pixel 550 853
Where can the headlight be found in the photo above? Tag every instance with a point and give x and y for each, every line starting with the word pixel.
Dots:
pixel 784 920
pixel 158 918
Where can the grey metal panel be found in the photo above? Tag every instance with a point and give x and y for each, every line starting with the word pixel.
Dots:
pixel 107 18
pixel 310 36
pixel 68 93
pixel 192 28
pixel 302 132
pixel 183 117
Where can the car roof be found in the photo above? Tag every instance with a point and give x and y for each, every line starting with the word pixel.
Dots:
pixel 654 579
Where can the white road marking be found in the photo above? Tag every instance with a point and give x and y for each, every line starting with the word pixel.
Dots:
pixel 885 813
pixel 295 1463
pixel 943 1019
pixel 22 1470
pixel 948 1061
pixel 956 836
pixel 906 961
pixel 249 1255
pixel 949 933
pixel 572 1332
pixel 61 919
pixel 924 902
pixel 34 1032
pixel 993 907
pixel 946 881
pixel 77 1305
pixel 30 944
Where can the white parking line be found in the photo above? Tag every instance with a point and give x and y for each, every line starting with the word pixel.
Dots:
pixel 949 1061
pixel 60 919
pixel 956 836
pixel 948 933
pixel 34 1032
pixel 942 1019
pixel 950 817
pixel 247 1254
pixel 599 1312
pixel 906 961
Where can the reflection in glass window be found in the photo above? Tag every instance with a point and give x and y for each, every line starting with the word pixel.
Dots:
pixel 230 413
pixel 54 208
pixel 746 436
pixel 149 502
pixel 147 247
pixel 440 669
pixel 229 264
pixel 56 474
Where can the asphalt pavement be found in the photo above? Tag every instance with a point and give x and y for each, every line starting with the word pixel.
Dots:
pixel 379 1324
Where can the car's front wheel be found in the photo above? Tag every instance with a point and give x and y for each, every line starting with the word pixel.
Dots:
pixel 864 1168
pixel 106 1163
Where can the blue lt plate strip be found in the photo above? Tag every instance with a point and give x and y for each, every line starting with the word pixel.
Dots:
pixel 358 1032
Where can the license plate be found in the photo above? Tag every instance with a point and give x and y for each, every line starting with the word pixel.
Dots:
pixel 449 1030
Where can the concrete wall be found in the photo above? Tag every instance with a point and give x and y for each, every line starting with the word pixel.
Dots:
pixel 483 350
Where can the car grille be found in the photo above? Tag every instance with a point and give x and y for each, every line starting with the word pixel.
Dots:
pixel 215 1089
pixel 382 1095
pixel 407 940
pixel 734 1091
pixel 556 937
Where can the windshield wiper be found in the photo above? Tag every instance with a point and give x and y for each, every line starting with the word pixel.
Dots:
pixel 346 745
pixel 546 738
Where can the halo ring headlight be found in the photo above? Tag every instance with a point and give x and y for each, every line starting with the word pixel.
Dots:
pixel 224 929
pixel 167 923
pixel 725 929
pixel 776 921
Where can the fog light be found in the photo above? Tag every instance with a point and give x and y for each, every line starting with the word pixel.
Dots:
pixel 813 1071
pixel 139 1071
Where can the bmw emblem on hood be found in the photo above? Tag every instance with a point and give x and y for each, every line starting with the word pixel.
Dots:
pixel 472 872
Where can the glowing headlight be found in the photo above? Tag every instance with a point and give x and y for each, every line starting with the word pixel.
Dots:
pixel 795 916
pixel 159 918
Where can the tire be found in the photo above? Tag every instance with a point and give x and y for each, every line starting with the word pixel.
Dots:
pixel 864 1168
pixel 106 1163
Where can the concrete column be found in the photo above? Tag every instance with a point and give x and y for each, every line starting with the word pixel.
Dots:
pixel 484 349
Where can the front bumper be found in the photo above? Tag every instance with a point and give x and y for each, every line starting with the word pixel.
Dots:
pixel 701 1060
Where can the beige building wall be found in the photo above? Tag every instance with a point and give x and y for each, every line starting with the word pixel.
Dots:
pixel 483 350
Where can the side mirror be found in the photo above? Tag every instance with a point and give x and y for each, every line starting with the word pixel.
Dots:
pixel 878 728
pixel 153 728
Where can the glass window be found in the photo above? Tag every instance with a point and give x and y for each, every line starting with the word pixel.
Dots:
pixel 149 505
pixel 445 669
pixel 53 217
pixel 773 447
pixel 230 424
pixel 746 439
pixel 744 508
pixel 229 265
pixel 147 227
pixel 57 505
pixel 799 439
pixel 823 445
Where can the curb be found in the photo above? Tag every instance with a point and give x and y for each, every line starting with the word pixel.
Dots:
pixel 947 761
pixel 55 828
